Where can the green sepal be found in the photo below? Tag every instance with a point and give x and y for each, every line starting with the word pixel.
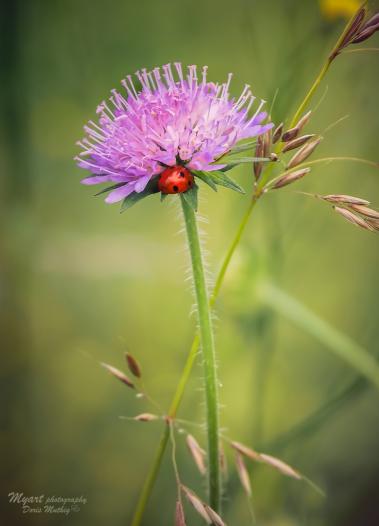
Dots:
pixel 204 176
pixel 163 197
pixel 191 197
pixel 109 188
pixel 241 160
pixel 222 179
pixel 135 197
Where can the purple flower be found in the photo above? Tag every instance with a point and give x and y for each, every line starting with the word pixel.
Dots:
pixel 170 120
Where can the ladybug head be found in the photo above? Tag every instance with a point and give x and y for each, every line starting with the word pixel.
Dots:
pixel 175 180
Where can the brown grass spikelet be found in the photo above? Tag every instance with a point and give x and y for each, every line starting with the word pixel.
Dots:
pixel 198 454
pixel 118 374
pixel 290 177
pixel 243 474
pixel 365 211
pixel 133 365
pixel 244 450
pixel 296 143
pixel 344 199
pixel 180 519
pixel 353 218
pixel 281 466
pixel 146 417
pixel 304 152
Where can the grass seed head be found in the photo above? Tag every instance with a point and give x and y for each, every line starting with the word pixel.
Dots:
pixel 290 177
pixel 133 365
pixel 180 519
pixel 146 417
pixel 281 466
pixel 296 143
pixel 353 218
pixel 304 152
pixel 198 454
pixel 243 474
pixel 365 211
pixel 277 133
pixel 344 199
pixel 118 374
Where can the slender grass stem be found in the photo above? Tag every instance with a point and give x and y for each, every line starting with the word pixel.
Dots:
pixel 208 355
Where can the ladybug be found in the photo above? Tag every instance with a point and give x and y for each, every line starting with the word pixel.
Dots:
pixel 175 180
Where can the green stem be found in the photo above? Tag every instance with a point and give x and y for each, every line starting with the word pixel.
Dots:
pixel 310 93
pixel 208 355
pixel 152 475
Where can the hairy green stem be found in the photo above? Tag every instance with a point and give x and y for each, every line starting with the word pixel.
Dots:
pixel 208 355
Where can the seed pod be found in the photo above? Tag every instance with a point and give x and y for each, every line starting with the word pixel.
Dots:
pixel 344 199
pixel 352 218
pixel 133 365
pixel 180 519
pixel 365 211
pixel 296 143
pixel 365 34
pixel 214 517
pixel 374 223
pixel 245 451
pixel 350 32
pixel 289 135
pixel 354 27
pixel 118 374
pixel 304 120
pixel 281 466
pixel 198 454
pixel 146 417
pixel 290 177
pixel 258 153
pixel 266 143
pixel 197 503
pixel 304 153
pixel 243 474
pixel 373 21
pixel 277 133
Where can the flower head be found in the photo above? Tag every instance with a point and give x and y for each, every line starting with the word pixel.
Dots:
pixel 173 119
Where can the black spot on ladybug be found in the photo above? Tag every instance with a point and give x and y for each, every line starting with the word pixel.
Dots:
pixel 175 188
pixel 182 174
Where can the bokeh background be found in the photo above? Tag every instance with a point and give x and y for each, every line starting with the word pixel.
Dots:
pixel 81 283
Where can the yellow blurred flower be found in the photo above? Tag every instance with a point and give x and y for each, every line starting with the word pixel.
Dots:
pixel 332 9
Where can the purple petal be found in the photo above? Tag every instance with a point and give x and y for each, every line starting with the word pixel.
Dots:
pixel 119 193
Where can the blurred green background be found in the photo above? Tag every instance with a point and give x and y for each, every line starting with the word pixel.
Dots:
pixel 81 283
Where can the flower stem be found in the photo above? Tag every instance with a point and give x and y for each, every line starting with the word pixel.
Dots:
pixel 208 354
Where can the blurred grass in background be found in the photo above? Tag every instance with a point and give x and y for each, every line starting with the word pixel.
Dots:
pixel 82 284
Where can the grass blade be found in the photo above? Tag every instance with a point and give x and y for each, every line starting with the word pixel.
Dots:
pixel 334 340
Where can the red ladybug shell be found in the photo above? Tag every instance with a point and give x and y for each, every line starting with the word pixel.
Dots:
pixel 175 180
